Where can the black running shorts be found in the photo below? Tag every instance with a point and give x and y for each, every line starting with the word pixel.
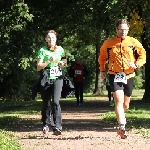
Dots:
pixel 127 88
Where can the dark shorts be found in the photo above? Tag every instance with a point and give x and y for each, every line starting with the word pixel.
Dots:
pixel 127 88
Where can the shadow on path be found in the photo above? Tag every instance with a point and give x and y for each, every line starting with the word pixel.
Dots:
pixel 75 118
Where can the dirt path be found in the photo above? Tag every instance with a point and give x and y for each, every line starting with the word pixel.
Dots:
pixel 82 130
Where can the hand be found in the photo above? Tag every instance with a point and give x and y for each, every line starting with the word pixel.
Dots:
pixel 61 63
pixel 51 59
pixel 103 75
pixel 133 65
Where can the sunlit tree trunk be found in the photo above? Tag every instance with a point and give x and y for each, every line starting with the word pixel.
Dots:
pixel 99 83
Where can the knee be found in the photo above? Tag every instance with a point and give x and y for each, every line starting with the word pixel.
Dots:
pixel 55 105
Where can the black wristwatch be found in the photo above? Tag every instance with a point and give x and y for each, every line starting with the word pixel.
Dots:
pixel 136 65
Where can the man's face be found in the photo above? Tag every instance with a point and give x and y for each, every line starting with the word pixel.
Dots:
pixel 122 30
pixel 77 61
pixel 51 38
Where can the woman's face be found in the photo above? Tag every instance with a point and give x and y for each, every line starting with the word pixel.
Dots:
pixel 51 39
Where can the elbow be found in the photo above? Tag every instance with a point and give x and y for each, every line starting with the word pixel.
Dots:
pixel 38 68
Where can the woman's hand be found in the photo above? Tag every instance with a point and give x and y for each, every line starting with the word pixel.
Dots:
pixel 61 63
pixel 50 59
pixel 41 64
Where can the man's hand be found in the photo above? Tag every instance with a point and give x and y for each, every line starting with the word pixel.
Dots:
pixel 103 75
pixel 132 65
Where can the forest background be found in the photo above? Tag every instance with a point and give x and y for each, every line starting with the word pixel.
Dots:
pixel 82 27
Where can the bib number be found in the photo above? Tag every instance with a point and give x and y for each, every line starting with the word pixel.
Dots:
pixel 120 77
pixel 55 71
pixel 78 72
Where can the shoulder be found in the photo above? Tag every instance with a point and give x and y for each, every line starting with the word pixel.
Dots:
pixel 109 41
pixel 129 38
pixel 43 48
pixel 60 50
pixel 42 52
pixel 133 40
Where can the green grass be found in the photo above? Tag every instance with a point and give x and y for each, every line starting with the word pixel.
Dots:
pixel 10 112
pixel 8 142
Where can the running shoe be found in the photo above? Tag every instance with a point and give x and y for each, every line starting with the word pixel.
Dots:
pixel 122 132
pixel 57 132
pixel 45 129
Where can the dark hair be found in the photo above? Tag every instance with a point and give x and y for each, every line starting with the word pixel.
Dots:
pixel 50 31
pixel 122 21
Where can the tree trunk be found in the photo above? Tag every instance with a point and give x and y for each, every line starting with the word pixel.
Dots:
pixel 146 96
pixel 99 83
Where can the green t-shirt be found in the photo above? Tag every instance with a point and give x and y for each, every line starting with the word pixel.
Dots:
pixel 45 54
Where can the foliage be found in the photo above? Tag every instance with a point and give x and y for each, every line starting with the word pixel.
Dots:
pixel 14 16
pixel 138 82
pixel 8 141
pixel 82 28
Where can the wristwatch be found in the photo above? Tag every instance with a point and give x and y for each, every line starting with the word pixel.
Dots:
pixel 136 65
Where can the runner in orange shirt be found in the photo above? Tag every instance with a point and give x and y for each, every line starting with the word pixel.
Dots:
pixel 124 54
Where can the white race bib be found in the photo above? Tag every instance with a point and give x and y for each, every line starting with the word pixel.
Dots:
pixel 120 77
pixel 55 71
pixel 78 72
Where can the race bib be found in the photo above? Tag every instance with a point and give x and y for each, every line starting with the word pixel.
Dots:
pixel 79 72
pixel 120 77
pixel 55 71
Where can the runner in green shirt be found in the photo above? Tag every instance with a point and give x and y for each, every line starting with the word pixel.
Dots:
pixel 50 59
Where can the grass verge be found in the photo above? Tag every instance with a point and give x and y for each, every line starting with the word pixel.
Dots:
pixel 8 142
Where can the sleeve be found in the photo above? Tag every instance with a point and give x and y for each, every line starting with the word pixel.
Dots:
pixel 63 56
pixel 103 56
pixel 141 59
pixel 62 52
pixel 40 54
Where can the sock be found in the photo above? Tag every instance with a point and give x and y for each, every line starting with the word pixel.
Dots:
pixel 122 126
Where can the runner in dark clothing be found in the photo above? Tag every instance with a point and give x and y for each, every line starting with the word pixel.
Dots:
pixel 78 72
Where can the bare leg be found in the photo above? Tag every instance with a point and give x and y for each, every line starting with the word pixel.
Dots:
pixel 119 105
pixel 126 102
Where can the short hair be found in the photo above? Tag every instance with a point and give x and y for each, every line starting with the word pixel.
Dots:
pixel 122 21
pixel 50 31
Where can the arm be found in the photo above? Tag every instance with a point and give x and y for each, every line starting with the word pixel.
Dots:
pixel 141 59
pixel 41 65
pixel 63 61
pixel 103 55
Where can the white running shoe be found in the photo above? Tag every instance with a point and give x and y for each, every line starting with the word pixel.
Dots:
pixel 45 129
